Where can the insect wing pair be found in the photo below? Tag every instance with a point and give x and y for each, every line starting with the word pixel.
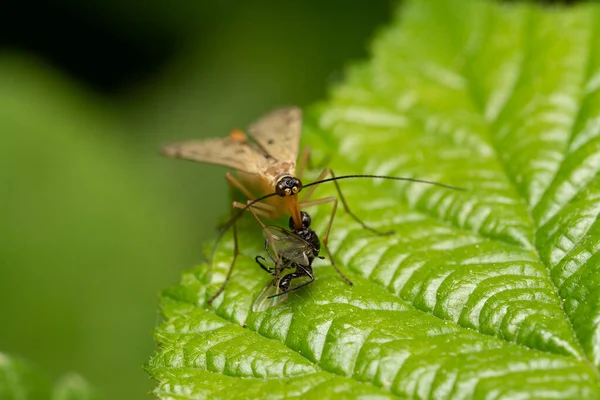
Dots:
pixel 266 165
pixel 277 289
pixel 296 251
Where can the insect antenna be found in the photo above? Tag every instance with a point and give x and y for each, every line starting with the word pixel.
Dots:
pixel 394 178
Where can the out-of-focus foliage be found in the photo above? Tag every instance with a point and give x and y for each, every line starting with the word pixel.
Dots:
pixel 488 293
pixel 93 222
pixel 83 229
pixel 19 380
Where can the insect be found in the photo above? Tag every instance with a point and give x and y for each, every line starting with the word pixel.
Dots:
pixel 296 250
pixel 267 165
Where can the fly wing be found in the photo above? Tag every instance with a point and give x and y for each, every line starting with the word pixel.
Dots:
pixel 288 245
pixel 278 133
pixel 231 153
pixel 265 299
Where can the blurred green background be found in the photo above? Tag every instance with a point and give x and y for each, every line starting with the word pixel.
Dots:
pixel 93 222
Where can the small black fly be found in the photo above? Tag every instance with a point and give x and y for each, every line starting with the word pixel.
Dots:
pixel 296 250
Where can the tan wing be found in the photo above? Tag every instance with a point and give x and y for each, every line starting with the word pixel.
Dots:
pixel 278 133
pixel 230 153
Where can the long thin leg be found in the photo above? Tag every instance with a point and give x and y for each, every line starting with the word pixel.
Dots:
pixel 236 252
pixel 265 213
pixel 303 162
pixel 326 236
pixel 235 182
pixel 310 191
pixel 269 237
pixel 263 266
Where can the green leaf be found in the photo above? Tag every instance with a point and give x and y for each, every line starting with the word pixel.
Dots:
pixel 489 293
pixel 21 381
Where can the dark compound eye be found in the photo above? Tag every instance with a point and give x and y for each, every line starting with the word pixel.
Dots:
pixel 287 186
pixel 297 185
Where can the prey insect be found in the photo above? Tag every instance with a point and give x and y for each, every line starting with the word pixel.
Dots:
pixel 296 251
pixel 267 166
